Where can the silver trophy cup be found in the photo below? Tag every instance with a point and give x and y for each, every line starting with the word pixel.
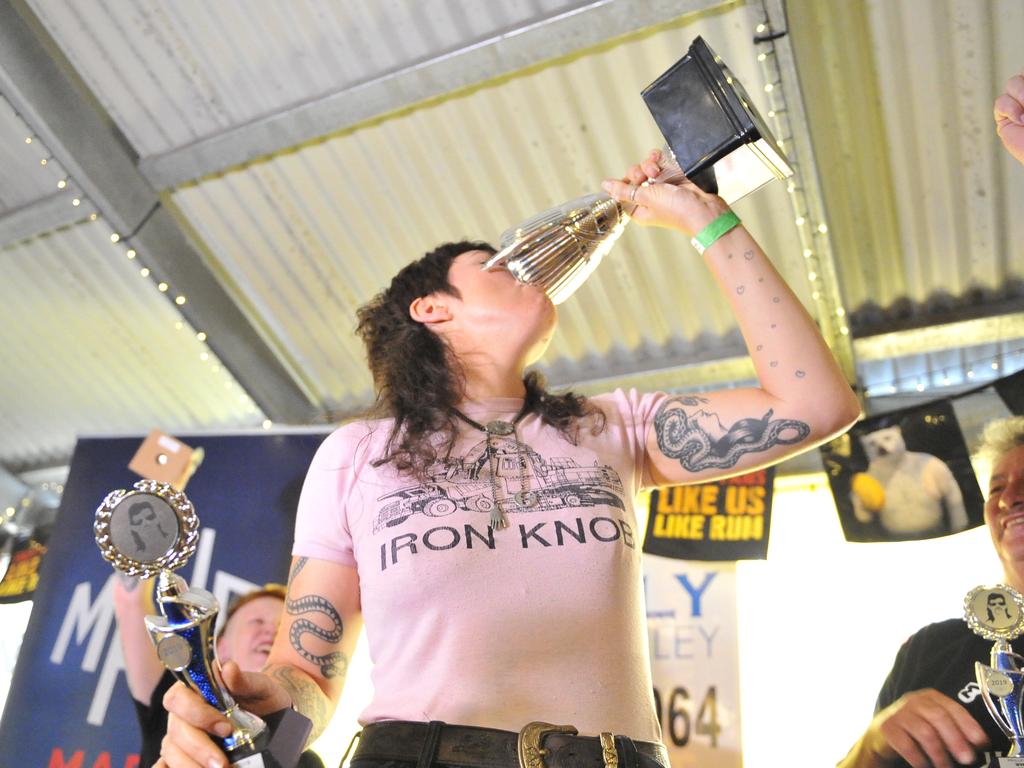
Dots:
pixel 152 531
pixel 716 139
pixel 997 614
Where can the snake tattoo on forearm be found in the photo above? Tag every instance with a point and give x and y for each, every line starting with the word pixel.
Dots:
pixel 685 437
pixel 331 664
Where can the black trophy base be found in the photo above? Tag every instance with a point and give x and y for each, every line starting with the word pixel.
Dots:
pixel 288 732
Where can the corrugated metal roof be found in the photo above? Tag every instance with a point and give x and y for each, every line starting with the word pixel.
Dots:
pixel 923 202
pixel 919 198
pixel 170 73
pixel 90 346
pixel 309 235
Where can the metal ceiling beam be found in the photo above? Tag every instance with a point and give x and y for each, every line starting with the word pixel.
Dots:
pixel 566 32
pixel 43 87
pixel 938 338
pixel 37 217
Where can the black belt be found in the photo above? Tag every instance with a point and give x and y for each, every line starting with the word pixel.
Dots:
pixel 538 745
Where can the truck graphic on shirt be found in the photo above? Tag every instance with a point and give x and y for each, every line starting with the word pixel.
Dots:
pixel 465 484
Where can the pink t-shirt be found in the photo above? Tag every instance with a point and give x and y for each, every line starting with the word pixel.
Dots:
pixel 543 620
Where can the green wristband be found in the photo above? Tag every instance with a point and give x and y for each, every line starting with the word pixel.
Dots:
pixel 708 236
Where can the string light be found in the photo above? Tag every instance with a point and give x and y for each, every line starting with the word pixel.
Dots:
pixel 808 218
pixel 65 182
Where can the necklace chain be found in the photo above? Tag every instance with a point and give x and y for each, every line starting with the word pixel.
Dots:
pixel 524 497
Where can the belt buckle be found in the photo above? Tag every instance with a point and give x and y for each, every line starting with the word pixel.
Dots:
pixel 531 753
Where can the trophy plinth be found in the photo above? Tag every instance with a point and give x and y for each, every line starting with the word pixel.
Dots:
pixel 152 531
pixel 997 614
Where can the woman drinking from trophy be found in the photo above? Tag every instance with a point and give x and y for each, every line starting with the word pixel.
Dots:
pixel 482 528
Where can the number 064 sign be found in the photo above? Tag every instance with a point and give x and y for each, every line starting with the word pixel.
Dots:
pixel 691 621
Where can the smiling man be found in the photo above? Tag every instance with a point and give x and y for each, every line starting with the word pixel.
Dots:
pixel 930 711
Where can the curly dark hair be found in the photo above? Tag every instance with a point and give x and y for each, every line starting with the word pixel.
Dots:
pixel 419 380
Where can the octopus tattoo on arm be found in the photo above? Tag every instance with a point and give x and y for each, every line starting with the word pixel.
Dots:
pixel 700 441
pixel 330 664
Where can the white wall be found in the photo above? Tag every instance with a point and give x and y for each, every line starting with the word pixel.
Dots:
pixel 821 619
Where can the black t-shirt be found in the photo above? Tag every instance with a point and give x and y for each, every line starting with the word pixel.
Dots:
pixel 942 656
pixel 153 722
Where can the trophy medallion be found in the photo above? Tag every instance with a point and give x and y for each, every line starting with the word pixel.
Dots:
pixel 148 530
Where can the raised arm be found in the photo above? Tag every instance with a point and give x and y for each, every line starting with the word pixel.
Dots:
pixel 803 399
pixel 306 668
pixel 133 601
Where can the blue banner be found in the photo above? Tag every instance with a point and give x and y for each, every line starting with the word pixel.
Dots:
pixel 69 705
